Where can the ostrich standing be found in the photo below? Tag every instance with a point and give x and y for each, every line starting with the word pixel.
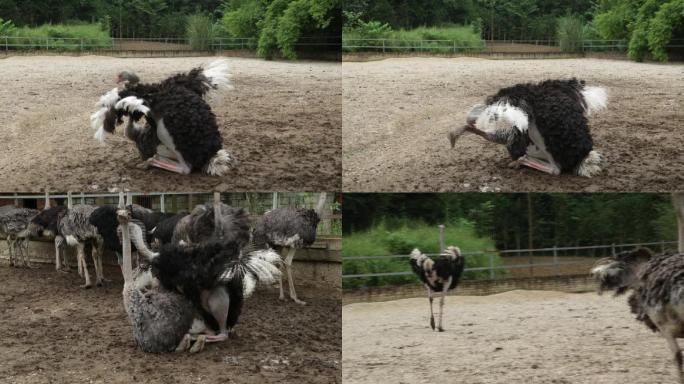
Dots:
pixel 77 230
pixel 181 134
pixel 657 291
pixel 287 229
pixel 213 276
pixel 543 126
pixel 46 224
pixel 13 223
pixel 438 275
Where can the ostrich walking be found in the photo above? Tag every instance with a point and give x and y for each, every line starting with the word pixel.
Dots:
pixel 181 134
pixel 543 126
pixel 286 229
pixel 46 224
pixel 191 292
pixel 440 274
pixel 13 223
pixel 77 231
pixel 657 291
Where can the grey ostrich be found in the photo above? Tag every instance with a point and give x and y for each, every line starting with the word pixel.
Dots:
pixel 46 224
pixel 287 229
pixel 168 304
pixel 199 226
pixel 657 291
pixel 77 231
pixel 13 223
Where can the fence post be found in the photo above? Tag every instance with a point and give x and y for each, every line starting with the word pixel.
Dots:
pixel 441 238
pixel 162 203
pixel 383 45
pixel 612 249
pixel 70 201
pixel 491 266
pixel 81 43
pixel 662 246
pixel 556 267
pixel 82 198
pixel 274 204
pixel 454 46
pixel 6 46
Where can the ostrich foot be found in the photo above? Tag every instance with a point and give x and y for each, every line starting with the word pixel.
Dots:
pixel 300 302
pixel 169 165
pixel 199 344
pixel 432 323
pixel 86 286
pixel 440 329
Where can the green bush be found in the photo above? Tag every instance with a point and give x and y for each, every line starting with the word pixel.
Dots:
pixel 570 34
pixel 62 37
pixel 200 31
pixel 443 38
pixel 6 27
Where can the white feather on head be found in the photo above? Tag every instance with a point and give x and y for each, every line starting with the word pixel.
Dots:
pixel 500 117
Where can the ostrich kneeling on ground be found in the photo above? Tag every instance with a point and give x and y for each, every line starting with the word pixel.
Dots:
pixel 657 291
pixel 543 126
pixel 440 274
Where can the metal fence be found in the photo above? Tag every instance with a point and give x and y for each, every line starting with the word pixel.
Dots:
pixel 555 259
pixel 255 203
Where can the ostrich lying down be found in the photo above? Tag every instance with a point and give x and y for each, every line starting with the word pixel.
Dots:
pixel 543 126
pixel 657 291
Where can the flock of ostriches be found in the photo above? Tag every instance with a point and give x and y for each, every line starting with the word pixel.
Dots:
pixel 655 283
pixel 179 132
pixel 194 269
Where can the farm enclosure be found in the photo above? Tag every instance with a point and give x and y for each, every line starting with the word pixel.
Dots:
pixel 397 113
pixel 518 336
pixel 280 122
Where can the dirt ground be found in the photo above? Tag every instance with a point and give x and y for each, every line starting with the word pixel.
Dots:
pixel 281 122
pixel 514 337
pixel 52 331
pixel 397 113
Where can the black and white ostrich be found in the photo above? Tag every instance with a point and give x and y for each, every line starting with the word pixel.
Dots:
pixel 180 133
pixel 13 223
pixel 199 226
pixel 162 233
pixel 46 224
pixel 439 274
pixel 190 293
pixel 286 229
pixel 543 126
pixel 76 229
pixel 656 283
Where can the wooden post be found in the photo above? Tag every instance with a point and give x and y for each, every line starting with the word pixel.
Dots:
pixel 274 203
pixel 441 238
pixel 162 203
pixel 491 266
pixel 70 201
pixel 555 260
pixel 47 199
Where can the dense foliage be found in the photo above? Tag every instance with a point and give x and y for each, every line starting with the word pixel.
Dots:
pixel 557 219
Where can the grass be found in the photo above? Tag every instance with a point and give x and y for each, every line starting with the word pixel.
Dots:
pixel 61 37
pixel 466 38
pixel 381 241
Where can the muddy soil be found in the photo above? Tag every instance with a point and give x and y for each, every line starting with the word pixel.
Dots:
pixel 397 113
pixel 52 331
pixel 530 337
pixel 281 122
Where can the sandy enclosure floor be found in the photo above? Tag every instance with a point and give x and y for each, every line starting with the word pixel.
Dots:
pixel 397 113
pixel 52 331
pixel 281 121
pixel 514 337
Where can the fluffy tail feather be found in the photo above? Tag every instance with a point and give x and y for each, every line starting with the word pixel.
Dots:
pixel 254 266
pixel 595 99
pixel 217 75
pixel 103 120
pixel 220 164
pixel 591 165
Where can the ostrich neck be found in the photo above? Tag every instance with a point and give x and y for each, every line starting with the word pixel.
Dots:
pixel 127 267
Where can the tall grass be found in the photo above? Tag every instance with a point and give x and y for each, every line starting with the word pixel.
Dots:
pixel 200 31
pixel 380 241
pixel 442 39
pixel 62 37
pixel 570 34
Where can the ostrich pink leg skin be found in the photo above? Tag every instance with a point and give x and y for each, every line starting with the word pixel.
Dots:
pixel 288 267
pixel 432 316
pixel 538 165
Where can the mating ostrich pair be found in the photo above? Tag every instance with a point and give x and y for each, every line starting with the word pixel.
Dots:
pixel 543 126
pixel 180 133
pixel 656 286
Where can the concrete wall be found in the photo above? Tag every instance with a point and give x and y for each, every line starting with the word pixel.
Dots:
pixel 320 264
pixel 576 283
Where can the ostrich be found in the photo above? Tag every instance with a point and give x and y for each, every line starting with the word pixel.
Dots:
pixel 46 224
pixel 287 229
pixel 214 278
pixel 162 233
pixel 13 223
pixel 543 126
pixel 438 275
pixel 77 230
pixel 199 226
pixel 657 291
pixel 181 134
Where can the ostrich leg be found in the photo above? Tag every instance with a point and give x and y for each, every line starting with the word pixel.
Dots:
pixel 217 302
pixel 10 250
pixel 676 351
pixel 432 317
pixel 288 267
pixel 24 244
pixel 538 164
pixel 80 248
pixel 445 289
pixel 97 263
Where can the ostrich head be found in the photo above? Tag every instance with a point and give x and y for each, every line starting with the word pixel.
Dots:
pixel 128 78
pixel 495 122
pixel 619 273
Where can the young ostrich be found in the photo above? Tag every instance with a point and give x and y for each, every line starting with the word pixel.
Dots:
pixel 13 223
pixel 657 291
pixel 77 231
pixel 440 274
pixel 191 292
pixel 543 126
pixel 46 224
pixel 181 134
pixel 286 229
